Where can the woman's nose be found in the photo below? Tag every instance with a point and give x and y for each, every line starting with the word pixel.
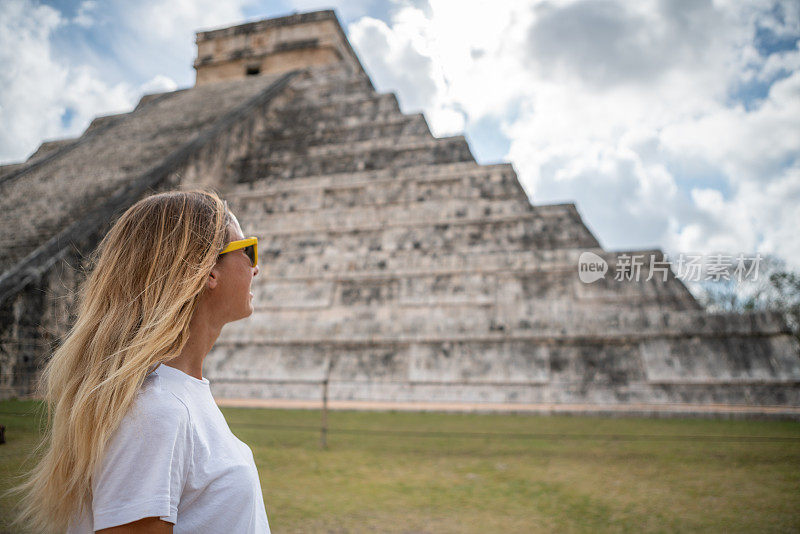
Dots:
pixel 255 270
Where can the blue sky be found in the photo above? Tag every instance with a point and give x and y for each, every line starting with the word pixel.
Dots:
pixel 670 123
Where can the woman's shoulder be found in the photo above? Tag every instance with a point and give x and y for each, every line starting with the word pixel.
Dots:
pixel 156 402
pixel 156 423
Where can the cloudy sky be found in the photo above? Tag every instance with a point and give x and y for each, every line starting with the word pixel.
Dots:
pixel 671 124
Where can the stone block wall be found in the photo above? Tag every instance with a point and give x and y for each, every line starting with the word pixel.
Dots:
pixel 400 270
pixel 178 140
pixel 273 46
pixel 392 264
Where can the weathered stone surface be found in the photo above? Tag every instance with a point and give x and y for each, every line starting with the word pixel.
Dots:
pixel 43 266
pixel 45 200
pixel 392 263
pixel 273 46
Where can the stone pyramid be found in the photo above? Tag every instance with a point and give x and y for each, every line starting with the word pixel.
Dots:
pixel 394 267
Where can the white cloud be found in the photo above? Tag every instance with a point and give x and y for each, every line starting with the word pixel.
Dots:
pixel 159 84
pixel 169 22
pixel 344 8
pixel 26 60
pixel 84 17
pixel 606 43
pixel 41 98
pixel 633 110
pixel 400 59
pixel 38 87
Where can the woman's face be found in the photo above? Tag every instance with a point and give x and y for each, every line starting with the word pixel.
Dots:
pixel 233 298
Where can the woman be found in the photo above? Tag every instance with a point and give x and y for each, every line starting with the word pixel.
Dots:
pixel 135 441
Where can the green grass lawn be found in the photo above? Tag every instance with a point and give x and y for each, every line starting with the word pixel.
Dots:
pixel 424 472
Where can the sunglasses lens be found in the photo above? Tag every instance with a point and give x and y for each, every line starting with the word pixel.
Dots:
pixel 251 253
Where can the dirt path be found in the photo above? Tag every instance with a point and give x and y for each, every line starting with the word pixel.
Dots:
pixel 657 410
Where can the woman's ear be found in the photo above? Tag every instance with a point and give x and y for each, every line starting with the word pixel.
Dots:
pixel 213 279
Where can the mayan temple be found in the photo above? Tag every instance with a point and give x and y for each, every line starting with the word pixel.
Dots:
pixel 392 264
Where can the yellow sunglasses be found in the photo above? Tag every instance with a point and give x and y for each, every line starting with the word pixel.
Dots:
pixel 250 246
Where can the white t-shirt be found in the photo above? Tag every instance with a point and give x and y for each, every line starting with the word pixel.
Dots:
pixel 175 457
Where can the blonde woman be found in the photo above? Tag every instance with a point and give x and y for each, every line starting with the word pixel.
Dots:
pixel 135 441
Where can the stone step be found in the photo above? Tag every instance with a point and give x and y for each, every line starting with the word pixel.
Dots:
pixel 509 210
pixel 330 132
pixel 10 168
pixel 304 118
pixel 330 72
pixel 547 321
pixel 500 368
pixel 269 152
pixel 325 123
pixel 16 246
pixel 476 184
pixel 554 272
pixel 320 103
pixel 385 215
pixel 422 174
pixel 374 105
pixel 14 250
pixel 487 234
pixel 326 87
pixel 500 288
pixel 352 157
pixel 296 266
pixel 550 266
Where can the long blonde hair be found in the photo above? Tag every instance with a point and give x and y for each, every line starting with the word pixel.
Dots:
pixel 133 312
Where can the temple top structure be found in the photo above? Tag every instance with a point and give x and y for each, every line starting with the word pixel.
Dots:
pixel 273 46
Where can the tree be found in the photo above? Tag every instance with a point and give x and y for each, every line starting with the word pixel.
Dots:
pixel 776 288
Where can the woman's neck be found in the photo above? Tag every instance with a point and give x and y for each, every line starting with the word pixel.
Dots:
pixel 203 333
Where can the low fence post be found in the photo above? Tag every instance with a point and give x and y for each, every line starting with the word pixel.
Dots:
pixel 323 440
